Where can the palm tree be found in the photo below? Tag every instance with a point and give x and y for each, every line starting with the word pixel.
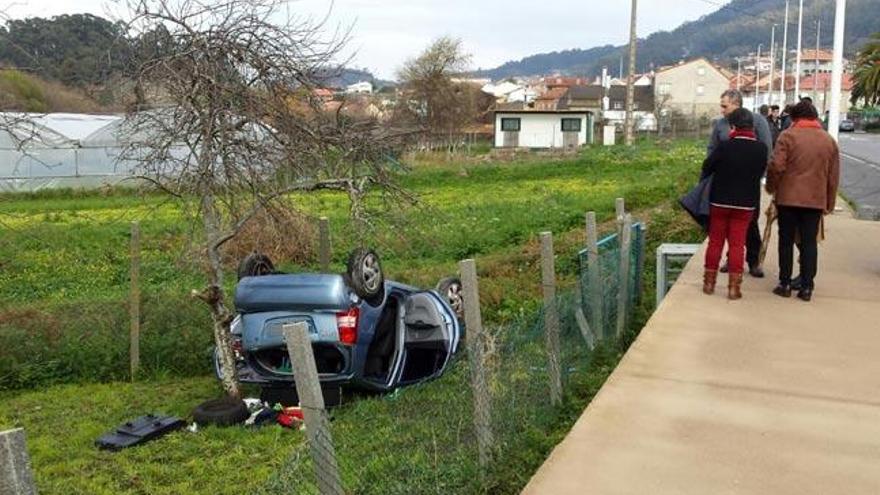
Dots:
pixel 867 73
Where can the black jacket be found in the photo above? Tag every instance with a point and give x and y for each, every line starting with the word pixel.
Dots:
pixel 737 167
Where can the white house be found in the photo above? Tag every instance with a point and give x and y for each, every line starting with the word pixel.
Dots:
pixel 362 87
pixel 527 128
pixel 523 94
pixel 501 91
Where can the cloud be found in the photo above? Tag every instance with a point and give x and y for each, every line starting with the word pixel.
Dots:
pixel 387 32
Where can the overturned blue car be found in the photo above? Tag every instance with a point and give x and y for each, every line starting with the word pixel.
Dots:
pixel 367 333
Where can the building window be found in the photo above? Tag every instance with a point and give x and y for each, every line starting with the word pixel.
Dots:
pixel 663 89
pixel 510 125
pixel 701 90
pixel 701 71
pixel 571 125
pixel 618 105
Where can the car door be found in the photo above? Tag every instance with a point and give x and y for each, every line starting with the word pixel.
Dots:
pixel 429 337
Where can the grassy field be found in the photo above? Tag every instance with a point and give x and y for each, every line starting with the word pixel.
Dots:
pixel 63 319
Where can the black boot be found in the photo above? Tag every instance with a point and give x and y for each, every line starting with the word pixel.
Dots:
pixel 783 290
pixel 723 268
pixel 796 283
pixel 805 294
pixel 756 271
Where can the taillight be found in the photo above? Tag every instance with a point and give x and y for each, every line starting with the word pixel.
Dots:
pixel 347 323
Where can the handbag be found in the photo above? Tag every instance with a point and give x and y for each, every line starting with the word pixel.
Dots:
pixel 696 202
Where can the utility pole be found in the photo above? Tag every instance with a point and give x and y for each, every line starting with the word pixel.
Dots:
pixel 772 64
pixel 797 65
pixel 630 82
pixel 784 56
pixel 816 68
pixel 757 79
pixel 837 68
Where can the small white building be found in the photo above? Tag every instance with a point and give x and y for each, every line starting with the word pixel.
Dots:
pixel 527 128
pixel 502 90
pixel 362 87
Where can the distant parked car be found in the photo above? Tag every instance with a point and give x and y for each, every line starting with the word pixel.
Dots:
pixel 366 332
pixel 847 126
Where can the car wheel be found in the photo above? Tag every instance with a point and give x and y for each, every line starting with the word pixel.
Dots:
pixel 255 265
pixel 450 289
pixel 221 412
pixel 365 275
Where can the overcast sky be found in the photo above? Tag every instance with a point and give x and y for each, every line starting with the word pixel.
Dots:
pixel 387 32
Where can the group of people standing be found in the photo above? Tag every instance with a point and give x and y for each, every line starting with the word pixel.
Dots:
pixel 801 163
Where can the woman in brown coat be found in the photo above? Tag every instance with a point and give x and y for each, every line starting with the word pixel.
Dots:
pixel 804 175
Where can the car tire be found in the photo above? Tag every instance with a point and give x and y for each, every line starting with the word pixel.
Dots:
pixel 450 290
pixel 221 412
pixel 255 265
pixel 364 275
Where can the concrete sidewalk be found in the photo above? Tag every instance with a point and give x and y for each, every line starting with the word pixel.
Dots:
pixel 759 396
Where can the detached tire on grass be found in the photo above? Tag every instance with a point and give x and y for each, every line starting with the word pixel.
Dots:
pixel 221 412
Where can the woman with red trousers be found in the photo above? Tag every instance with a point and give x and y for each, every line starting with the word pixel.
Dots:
pixel 736 167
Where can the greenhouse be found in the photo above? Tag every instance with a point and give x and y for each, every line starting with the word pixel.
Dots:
pixel 39 151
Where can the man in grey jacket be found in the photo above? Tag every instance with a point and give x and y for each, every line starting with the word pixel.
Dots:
pixel 730 101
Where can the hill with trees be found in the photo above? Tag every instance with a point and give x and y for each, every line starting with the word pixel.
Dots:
pixel 734 30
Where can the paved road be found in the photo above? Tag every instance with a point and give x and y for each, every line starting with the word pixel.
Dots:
pixel 760 396
pixel 860 172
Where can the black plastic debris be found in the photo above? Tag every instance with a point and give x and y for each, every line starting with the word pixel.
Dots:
pixel 138 431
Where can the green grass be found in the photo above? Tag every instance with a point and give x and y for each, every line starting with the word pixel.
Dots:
pixel 64 257
pixel 63 283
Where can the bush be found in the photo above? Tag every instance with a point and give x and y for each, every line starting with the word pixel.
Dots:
pixel 21 92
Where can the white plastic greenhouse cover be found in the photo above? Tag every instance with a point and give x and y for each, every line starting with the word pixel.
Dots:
pixel 40 151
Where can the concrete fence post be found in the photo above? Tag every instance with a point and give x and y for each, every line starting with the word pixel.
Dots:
pixel 551 316
pixel 324 246
pixel 623 286
pixel 475 340
pixel 640 261
pixel 594 274
pixel 15 466
pixel 134 308
pixel 619 212
pixel 308 387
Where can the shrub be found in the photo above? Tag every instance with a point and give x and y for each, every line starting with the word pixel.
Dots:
pixel 21 92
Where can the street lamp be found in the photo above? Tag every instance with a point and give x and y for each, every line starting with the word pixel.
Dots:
pixel 757 78
pixel 772 64
pixel 837 68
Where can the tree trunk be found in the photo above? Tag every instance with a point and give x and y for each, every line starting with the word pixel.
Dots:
pixel 214 297
pixel 213 294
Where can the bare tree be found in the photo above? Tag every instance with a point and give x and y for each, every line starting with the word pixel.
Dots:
pixel 661 109
pixel 225 121
pixel 431 98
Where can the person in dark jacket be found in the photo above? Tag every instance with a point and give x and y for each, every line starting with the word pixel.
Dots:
pixel 731 100
pixel 765 113
pixel 803 175
pixel 736 167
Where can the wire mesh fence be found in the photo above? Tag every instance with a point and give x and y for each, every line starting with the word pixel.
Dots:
pixel 425 438
pixel 600 279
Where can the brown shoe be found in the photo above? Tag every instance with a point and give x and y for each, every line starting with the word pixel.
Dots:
pixel 709 278
pixel 734 285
